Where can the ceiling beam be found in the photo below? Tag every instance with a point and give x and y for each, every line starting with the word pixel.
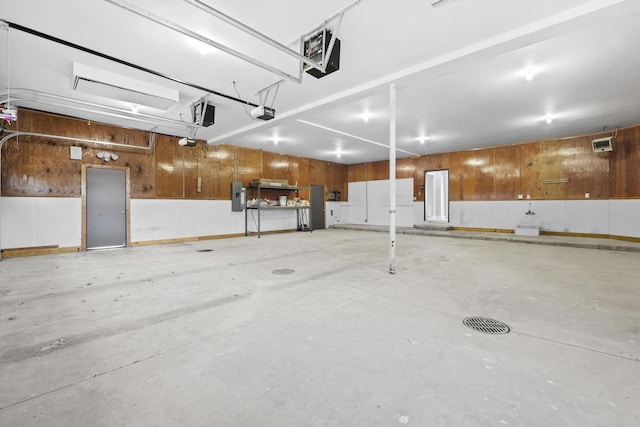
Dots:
pixel 543 29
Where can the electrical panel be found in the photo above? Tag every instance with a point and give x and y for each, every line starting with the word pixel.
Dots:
pixel 238 197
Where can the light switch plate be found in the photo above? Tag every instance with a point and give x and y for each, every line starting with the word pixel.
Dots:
pixel 75 153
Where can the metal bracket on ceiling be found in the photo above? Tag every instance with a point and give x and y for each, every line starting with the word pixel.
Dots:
pixel 231 21
pixel 298 55
pixel 263 94
pixel 187 32
pixel 322 28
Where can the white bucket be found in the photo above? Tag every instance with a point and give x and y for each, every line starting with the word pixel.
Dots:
pixel 283 200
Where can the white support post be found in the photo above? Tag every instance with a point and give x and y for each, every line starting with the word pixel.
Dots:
pixel 392 178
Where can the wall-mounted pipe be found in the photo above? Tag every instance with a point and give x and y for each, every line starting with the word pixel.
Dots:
pixel 34 95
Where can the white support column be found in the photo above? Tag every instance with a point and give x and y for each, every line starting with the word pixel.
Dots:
pixel 392 178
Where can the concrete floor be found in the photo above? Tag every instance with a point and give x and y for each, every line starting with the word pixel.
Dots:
pixel 171 336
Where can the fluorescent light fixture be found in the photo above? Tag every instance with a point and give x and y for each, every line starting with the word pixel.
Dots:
pixel 106 84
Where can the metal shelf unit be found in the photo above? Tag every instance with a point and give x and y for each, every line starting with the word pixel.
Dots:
pixel 258 189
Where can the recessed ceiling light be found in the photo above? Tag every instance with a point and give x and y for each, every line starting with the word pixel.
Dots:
pixel 338 154
pixel 549 119
pixel 275 140
pixel 201 47
pixel 528 74
pixel 423 139
pixel 366 116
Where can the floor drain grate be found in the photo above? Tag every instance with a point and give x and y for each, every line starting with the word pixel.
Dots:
pixel 283 271
pixel 205 250
pixel 486 325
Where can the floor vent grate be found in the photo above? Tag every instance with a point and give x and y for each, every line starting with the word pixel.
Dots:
pixel 486 325
pixel 283 271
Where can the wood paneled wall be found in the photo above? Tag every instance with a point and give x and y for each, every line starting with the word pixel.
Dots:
pixel 38 166
pixel 502 173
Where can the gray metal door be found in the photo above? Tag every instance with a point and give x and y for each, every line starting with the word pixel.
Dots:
pixel 106 208
pixel 317 207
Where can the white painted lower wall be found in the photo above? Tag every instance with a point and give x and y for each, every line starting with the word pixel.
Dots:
pixel 612 217
pixel 162 219
pixel 42 221
pixel 158 219
pixel 367 205
pixel 336 213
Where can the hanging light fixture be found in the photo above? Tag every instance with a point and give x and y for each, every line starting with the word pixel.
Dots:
pixel 106 156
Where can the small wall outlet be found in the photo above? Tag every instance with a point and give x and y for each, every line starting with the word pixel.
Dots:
pixel 587 195
pixel 528 196
pixel 520 196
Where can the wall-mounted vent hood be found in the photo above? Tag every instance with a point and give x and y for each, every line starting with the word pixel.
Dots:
pixel 106 84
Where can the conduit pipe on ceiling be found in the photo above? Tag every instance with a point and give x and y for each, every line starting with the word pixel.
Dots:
pixel 187 32
pixel 42 35
pixel 118 112
pixel 13 134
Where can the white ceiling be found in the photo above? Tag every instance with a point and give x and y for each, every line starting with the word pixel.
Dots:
pixel 458 68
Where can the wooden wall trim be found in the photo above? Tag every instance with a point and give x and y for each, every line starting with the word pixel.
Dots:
pixel 14 253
